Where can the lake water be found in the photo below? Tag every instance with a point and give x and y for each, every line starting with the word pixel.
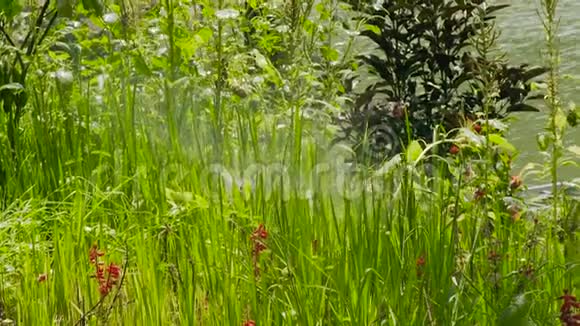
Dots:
pixel 523 38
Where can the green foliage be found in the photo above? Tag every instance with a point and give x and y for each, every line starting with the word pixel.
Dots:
pixel 203 167
pixel 428 63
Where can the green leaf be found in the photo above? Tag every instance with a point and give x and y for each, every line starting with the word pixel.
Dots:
pixel 502 143
pixel 141 65
pixel 93 6
pixel 330 54
pixel 179 196
pixel 65 8
pixel 10 8
pixel 414 150
pixel 204 35
pixel 374 29
pixel 13 87
pixel 561 120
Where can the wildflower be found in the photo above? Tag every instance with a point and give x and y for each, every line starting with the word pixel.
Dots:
pixel 249 323
pixel 94 254
pixel 454 150
pixel 100 273
pixel 258 237
pixel 477 128
pixel 114 271
pixel 479 194
pixel 106 276
pixel 42 278
pixel 567 315
pixel 515 182
pixel 105 288
pixel 419 265
pixel 260 232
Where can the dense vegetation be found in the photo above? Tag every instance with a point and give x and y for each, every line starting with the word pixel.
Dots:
pixel 314 162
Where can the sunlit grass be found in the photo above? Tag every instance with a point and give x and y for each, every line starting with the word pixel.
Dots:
pixel 264 221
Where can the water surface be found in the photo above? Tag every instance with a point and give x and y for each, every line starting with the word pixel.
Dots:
pixel 524 40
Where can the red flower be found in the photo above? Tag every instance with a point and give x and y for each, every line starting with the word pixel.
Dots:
pixel 94 254
pixel 106 276
pixel 421 261
pixel 260 232
pixel 454 149
pixel 42 278
pixel 567 315
pixel 249 323
pixel 479 194
pixel 477 128
pixel 515 182
pixel 105 288
pixel 419 265
pixel 100 273
pixel 114 271
pixel 258 237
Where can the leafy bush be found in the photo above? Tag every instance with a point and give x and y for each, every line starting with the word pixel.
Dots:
pixel 433 72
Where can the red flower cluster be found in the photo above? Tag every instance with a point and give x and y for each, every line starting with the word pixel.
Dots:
pixel 249 323
pixel 94 254
pixel 106 276
pixel 258 238
pixel 567 314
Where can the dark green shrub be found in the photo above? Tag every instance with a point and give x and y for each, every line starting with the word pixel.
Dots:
pixel 431 74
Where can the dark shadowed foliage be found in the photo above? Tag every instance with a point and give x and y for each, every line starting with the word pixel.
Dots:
pixel 431 74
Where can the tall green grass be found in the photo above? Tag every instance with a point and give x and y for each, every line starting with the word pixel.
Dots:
pixel 159 164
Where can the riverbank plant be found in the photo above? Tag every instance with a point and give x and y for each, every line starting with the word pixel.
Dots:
pixel 170 171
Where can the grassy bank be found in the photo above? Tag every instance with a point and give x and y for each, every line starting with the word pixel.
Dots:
pixel 164 172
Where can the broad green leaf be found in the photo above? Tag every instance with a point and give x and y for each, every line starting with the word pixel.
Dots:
pixel 414 150
pixel 13 87
pixel 10 8
pixel 502 143
pixel 330 54
pixel 373 29
pixel 178 196
pixel 204 35
pixel 141 65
